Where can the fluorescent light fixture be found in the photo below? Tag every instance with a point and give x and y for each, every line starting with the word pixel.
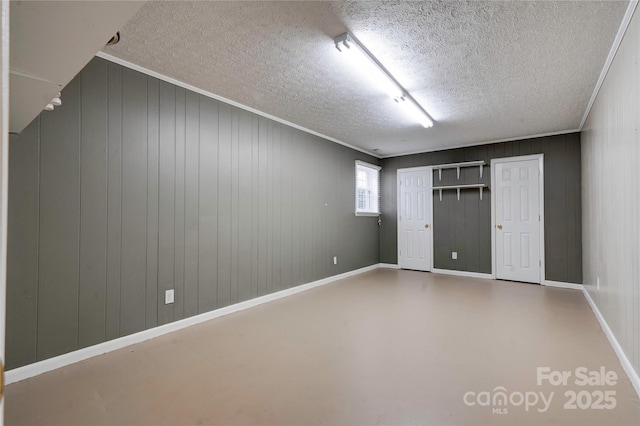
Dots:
pixel 373 70
pixel 366 65
pixel 413 110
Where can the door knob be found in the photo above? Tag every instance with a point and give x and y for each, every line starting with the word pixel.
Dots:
pixel 426 226
pixel 499 226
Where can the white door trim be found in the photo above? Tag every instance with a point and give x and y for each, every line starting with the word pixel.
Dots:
pixel 540 158
pixel 4 172
pixel 429 213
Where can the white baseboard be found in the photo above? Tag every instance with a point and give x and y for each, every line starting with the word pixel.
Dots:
pixel 388 265
pixel 626 364
pixel 559 284
pixel 40 367
pixel 463 273
pixel 37 368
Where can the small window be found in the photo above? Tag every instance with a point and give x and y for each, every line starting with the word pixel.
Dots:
pixel 367 189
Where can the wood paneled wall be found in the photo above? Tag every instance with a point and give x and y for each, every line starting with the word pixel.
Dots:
pixel 135 186
pixel 465 226
pixel 611 201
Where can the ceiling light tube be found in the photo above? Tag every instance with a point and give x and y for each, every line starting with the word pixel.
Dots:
pixel 371 68
pixel 367 65
pixel 413 109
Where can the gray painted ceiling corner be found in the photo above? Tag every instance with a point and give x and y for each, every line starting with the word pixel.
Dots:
pixel 485 71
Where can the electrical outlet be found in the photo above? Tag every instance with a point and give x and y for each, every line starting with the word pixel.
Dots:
pixel 454 255
pixel 168 297
pixel 335 260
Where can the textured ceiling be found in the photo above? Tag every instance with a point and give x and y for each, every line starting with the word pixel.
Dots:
pixel 484 70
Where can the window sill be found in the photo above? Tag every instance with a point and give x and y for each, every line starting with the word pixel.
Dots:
pixel 369 214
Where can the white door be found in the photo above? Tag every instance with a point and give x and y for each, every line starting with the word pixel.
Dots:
pixel 518 219
pixel 414 219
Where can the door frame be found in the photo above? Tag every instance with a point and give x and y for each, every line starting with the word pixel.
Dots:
pixel 494 161
pixel 429 212
pixel 4 177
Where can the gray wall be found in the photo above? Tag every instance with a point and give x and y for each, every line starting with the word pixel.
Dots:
pixel 465 226
pixel 135 186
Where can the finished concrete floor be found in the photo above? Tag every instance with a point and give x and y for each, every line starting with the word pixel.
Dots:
pixel 384 347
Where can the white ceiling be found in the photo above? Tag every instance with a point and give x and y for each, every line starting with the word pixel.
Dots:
pixel 485 71
pixel 50 42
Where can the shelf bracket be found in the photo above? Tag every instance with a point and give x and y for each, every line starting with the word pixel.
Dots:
pixel 441 195
pixel 458 194
pixel 481 176
pixel 480 188
pixel 440 178
pixel 458 171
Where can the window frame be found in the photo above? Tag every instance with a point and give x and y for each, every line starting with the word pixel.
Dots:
pixel 371 168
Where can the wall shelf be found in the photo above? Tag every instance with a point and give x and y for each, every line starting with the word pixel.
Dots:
pixel 480 187
pixel 458 166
